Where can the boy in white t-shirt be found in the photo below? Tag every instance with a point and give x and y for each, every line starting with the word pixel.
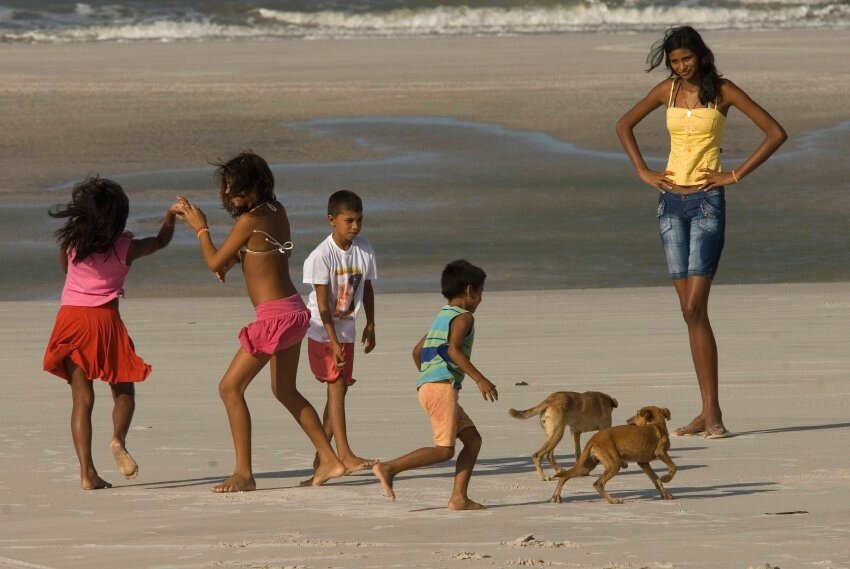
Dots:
pixel 341 270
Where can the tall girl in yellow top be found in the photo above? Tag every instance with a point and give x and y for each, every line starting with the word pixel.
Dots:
pixel 691 207
pixel 260 237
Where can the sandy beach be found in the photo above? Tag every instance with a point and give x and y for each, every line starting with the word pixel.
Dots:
pixel 776 493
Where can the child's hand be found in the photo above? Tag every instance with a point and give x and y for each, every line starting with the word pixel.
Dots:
pixel 192 214
pixel 176 209
pixel 338 356
pixel 368 339
pixel 487 389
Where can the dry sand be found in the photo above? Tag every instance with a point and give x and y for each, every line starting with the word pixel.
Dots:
pixel 777 493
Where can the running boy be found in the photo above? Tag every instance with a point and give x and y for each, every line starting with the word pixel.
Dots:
pixel 341 270
pixel 442 358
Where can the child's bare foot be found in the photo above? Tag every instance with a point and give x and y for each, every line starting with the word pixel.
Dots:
pixel 325 473
pixel 236 483
pixel 465 504
pixel 127 466
pixel 93 482
pixel 382 472
pixel 356 464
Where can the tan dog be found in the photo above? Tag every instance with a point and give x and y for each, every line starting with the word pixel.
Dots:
pixel 643 439
pixel 583 412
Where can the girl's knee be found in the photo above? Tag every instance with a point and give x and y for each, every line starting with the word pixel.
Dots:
pixel 228 391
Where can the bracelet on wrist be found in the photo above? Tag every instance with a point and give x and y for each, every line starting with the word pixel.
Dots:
pixel 735 177
pixel 201 231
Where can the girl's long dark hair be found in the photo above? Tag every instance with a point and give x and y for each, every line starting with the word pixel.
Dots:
pixel 685 37
pixel 241 176
pixel 97 215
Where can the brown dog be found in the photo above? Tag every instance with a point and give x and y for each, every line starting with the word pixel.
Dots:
pixel 643 439
pixel 583 412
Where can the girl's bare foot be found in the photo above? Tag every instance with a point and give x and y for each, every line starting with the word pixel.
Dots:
pixel 695 427
pixel 127 466
pixel 325 473
pixel 236 483
pixel 356 464
pixel 465 504
pixel 383 474
pixel 93 482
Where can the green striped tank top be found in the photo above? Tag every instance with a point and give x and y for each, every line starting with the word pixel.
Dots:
pixel 436 365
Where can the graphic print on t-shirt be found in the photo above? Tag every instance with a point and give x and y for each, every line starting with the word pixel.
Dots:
pixel 348 279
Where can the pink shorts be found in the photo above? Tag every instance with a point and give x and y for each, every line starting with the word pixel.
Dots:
pixel 440 401
pixel 322 362
pixel 280 324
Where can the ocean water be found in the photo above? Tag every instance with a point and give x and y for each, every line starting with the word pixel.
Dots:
pixel 536 212
pixel 181 20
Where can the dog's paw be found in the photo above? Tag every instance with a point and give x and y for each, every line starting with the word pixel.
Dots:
pixel 665 495
pixel 614 501
pixel 666 478
pixel 556 499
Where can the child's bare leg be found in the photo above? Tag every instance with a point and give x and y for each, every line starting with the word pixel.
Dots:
pixel 82 394
pixel 326 425
pixel 284 368
pixel 336 409
pixel 238 376
pixel 471 440
pixel 387 471
pixel 124 405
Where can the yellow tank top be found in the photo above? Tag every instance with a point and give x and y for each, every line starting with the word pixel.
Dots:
pixel 695 136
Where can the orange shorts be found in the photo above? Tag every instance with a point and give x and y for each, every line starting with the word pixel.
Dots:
pixel 440 401
pixel 322 362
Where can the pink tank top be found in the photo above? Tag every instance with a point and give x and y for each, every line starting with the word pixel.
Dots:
pixel 99 278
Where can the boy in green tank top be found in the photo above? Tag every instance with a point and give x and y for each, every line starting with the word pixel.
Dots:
pixel 442 358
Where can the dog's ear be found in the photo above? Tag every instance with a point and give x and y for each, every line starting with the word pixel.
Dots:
pixel 646 413
pixel 666 412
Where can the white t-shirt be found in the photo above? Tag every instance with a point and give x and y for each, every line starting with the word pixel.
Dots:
pixel 344 272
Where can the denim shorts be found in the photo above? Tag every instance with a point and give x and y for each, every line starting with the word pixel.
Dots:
pixel 692 228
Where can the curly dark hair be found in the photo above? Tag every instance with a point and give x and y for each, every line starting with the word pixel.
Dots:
pixel 241 176
pixel 685 37
pixel 97 215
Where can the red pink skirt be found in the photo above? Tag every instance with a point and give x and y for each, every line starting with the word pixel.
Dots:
pixel 95 339
pixel 280 324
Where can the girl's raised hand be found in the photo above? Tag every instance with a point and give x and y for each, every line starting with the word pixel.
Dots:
pixel 192 214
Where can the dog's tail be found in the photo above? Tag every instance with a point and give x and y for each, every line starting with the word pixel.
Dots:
pixel 536 410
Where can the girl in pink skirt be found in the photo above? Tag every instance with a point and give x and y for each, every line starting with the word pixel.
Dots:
pixel 259 239
pixel 89 340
